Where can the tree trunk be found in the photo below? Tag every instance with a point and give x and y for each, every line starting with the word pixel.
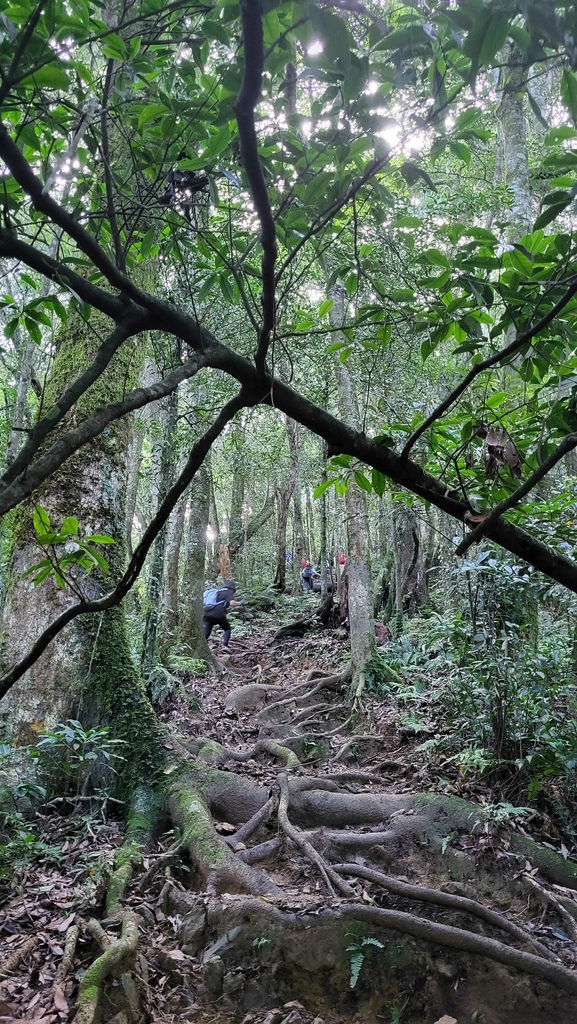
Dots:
pixel 134 460
pixel 360 603
pixel 284 494
pixel 410 578
pixel 171 576
pixel 165 475
pixel 514 142
pixel 298 551
pixel 87 669
pixel 236 515
pixel 193 575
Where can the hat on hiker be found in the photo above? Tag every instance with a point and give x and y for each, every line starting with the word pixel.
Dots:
pixel 230 585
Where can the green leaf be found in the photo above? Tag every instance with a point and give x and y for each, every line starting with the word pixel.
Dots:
pixel 548 215
pixel 379 482
pixel 214 30
pixel 537 110
pixel 41 519
pixel 408 222
pixel 42 575
pixel 434 256
pixel 496 400
pixel 318 491
pixel 51 77
pixel 148 241
pixel 569 92
pixel 150 113
pixel 36 567
pixel 114 48
pixel 461 151
pixel 488 34
pixel 98 558
pixel 362 481
pixel 325 307
pixel 218 142
pixel 100 538
pixel 69 527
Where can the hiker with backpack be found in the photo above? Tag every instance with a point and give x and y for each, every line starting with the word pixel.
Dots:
pixel 307 574
pixel 215 604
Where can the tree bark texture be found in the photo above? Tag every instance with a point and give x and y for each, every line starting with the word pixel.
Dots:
pixel 193 575
pixel 360 603
pixel 92 487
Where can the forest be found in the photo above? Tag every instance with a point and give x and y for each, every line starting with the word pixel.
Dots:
pixel 288 498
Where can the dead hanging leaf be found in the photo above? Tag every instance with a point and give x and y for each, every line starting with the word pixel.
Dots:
pixel 500 451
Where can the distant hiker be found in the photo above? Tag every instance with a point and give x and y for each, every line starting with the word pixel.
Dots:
pixel 307 574
pixel 215 604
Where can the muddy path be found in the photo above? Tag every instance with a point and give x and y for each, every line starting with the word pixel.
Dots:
pixel 347 890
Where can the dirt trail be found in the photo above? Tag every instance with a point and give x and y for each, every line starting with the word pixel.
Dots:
pixel 342 899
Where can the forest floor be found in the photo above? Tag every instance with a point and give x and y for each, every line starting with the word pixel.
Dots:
pixel 309 953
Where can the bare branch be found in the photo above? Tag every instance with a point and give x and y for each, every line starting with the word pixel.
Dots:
pixel 497 357
pixel 35 474
pixel 195 460
pixel 244 107
pixel 567 445
pixel 134 323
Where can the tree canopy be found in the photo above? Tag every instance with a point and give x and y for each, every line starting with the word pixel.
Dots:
pixel 213 173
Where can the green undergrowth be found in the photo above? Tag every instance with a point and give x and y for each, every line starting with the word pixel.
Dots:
pixel 491 708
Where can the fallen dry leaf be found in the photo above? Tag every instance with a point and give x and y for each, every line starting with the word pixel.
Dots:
pixel 60 1000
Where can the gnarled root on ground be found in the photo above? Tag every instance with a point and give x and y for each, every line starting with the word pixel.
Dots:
pixel 114 958
pixel 219 870
pixel 253 913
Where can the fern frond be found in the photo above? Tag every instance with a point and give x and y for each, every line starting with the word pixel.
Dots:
pixel 357 960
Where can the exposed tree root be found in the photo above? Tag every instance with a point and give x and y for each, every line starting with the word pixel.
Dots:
pixel 111 960
pixel 444 899
pixel 217 866
pixel 420 928
pixel 142 818
pixel 65 964
pixel 158 864
pixel 263 815
pixel 95 929
pixel 360 738
pixel 331 878
pixel 554 867
pixel 9 965
pixel 276 704
pixel 334 732
pixel 214 753
pixel 245 698
pixel 260 852
pixel 354 776
pixel 302 717
pixel 549 899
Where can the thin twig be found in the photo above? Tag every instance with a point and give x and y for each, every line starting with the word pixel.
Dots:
pixel 497 357
pixel 548 898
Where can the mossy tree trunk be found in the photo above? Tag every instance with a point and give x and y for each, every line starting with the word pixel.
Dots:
pixel 88 670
